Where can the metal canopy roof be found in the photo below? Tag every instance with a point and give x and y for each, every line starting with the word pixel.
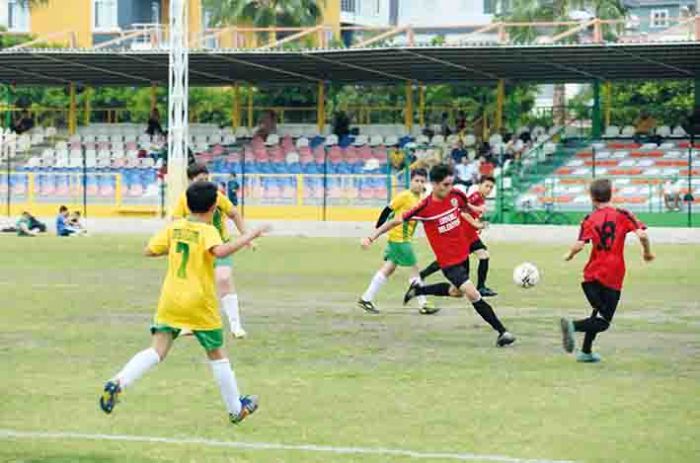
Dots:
pixel 478 64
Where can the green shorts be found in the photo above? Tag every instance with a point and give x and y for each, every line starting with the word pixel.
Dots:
pixel 400 254
pixel 208 339
pixel 224 261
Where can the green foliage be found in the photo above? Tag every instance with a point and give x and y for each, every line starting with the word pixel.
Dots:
pixel 288 13
pixel 668 102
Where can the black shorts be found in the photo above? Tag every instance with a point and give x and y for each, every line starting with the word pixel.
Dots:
pixel 457 274
pixel 602 298
pixel 477 245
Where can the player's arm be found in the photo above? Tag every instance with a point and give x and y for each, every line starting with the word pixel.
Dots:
pixel 159 245
pixel 224 250
pixel 478 209
pixel 479 225
pixel 575 249
pixel 388 225
pixel 643 236
pixel 383 216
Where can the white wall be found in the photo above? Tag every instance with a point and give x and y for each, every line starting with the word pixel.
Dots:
pixel 3 13
pixel 368 13
pixel 442 12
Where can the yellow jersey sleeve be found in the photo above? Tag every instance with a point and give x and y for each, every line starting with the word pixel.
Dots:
pixel 398 202
pixel 224 204
pixel 211 237
pixel 181 210
pixel 160 242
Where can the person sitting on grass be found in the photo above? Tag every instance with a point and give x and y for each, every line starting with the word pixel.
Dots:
pixel 27 225
pixel 76 222
pixel 63 225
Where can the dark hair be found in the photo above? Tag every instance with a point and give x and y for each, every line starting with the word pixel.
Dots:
pixel 196 169
pixel 419 173
pixel 487 178
pixel 439 172
pixel 201 196
pixel 601 190
pixel 62 209
pixel 77 213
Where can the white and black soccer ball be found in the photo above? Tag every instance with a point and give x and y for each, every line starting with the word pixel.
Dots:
pixel 526 275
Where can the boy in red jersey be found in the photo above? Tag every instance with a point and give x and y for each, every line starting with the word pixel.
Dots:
pixel 476 198
pixel 606 227
pixel 442 214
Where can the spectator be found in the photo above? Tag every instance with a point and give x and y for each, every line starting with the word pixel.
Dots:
pixel 396 158
pixel 75 222
pixel 445 125
pixel 672 196
pixel 486 167
pixel 267 124
pixel 645 125
pixel 63 227
pixel 458 152
pixel 466 172
pixel 341 124
pixel 27 225
pixel 154 128
pixel 232 187
pixel 23 123
pixel 461 122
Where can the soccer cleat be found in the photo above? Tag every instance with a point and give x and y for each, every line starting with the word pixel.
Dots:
pixel 429 309
pixel 567 335
pixel 239 333
pixel 487 292
pixel 249 403
pixel 109 396
pixel 410 292
pixel 587 358
pixel 367 306
pixel 505 339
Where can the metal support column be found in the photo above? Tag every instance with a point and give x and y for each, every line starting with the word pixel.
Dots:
pixel 154 97
pixel 251 124
pixel 236 110
pixel 597 122
pixel 500 97
pixel 421 106
pixel 72 110
pixel 321 107
pixel 87 95
pixel 178 85
pixel 408 115
pixel 608 103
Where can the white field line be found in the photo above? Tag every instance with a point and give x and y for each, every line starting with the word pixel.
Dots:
pixel 12 434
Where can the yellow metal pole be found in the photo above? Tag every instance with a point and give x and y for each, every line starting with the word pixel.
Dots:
pixel 250 106
pixel 300 189
pixel 421 106
pixel 30 190
pixel 72 111
pixel 408 115
pixel 608 103
pixel 321 107
pixel 154 97
pixel 236 111
pixel 118 190
pixel 88 106
pixel 500 97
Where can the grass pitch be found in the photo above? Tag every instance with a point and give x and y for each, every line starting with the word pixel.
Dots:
pixel 75 310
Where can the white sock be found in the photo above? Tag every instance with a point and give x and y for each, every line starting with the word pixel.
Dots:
pixel 227 384
pixel 375 285
pixel 137 366
pixel 229 304
pixel 422 300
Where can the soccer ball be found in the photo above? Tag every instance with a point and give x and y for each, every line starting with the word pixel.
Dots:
pixel 526 275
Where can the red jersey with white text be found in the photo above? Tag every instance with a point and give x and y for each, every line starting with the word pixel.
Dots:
pixel 606 229
pixel 443 224
pixel 474 198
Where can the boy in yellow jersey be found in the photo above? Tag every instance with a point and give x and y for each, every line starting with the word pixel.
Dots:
pixel 188 300
pixel 225 289
pixel 399 249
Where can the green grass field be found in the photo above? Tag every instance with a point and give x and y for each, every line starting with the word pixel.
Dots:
pixel 75 310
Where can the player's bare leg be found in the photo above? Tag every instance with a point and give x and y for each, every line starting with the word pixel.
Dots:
pixel 366 301
pixel 228 299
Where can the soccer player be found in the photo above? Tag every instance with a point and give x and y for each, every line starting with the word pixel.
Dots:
pixel 477 207
pixel 442 215
pixel 605 228
pixel 399 249
pixel 224 286
pixel 188 300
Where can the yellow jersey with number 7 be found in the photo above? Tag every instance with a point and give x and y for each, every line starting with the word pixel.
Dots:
pixel 188 297
pixel 224 207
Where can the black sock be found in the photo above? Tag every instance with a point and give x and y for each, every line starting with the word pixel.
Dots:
pixel 591 326
pixel 429 270
pixel 482 272
pixel 438 289
pixel 487 313
pixel 588 342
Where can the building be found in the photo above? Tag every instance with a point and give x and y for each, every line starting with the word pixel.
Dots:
pixel 650 16
pixel 90 22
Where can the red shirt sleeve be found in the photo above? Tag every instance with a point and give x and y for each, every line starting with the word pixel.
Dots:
pixel 416 211
pixel 462 199
pixel 585 233
pixel 630 222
